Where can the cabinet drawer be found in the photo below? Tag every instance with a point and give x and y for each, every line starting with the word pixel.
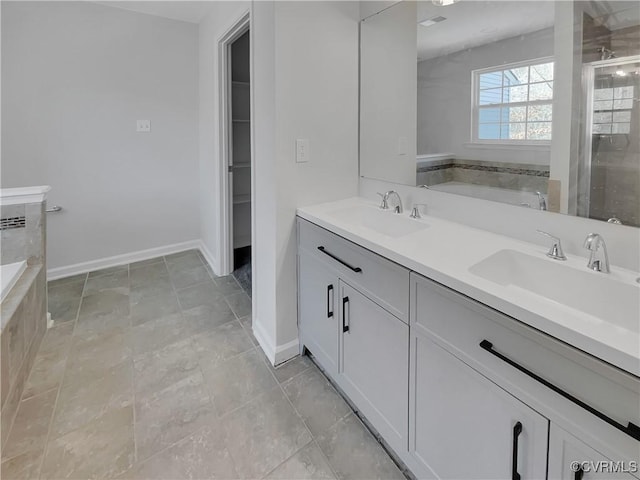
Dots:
pixel 381 280
pixel 565 450
pixel 462 324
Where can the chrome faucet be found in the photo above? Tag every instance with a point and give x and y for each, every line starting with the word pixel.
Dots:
pixel 592 243
pixel 542 203
pixel 555 251
pixel 415 211
pixel 384 205
pixel 385 201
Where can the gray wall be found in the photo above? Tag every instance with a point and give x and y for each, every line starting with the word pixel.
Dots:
pixel 75 78
pixel 444 98
pixel 305 85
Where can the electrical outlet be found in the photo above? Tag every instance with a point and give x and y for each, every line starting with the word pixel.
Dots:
pixel 143 125
pixel 302 150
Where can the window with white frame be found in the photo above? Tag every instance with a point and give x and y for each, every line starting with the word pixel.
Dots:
pixel 513 103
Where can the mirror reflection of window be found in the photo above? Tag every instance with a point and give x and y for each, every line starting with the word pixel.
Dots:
pixel 515 103
pixel 612 109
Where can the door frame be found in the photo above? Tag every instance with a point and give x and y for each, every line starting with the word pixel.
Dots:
pixel 238 28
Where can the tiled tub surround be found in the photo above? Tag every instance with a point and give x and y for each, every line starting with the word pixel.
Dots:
pixel 23 233
pixel 23 309
pixel 24 315
pixel 152 372
pixel 512 176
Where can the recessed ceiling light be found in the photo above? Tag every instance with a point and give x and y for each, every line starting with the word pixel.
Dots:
pixel 432 21
pixel 444 3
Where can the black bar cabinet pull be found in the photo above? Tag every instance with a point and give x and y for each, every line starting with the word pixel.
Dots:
pixel 329 302
pixel 339 260
pixel 345 327
pixel 578 474
pixel 517 430
pixel 631 429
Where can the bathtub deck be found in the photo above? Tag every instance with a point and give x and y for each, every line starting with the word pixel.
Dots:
pixel 10 274
pixel 14 297
pixel 152 372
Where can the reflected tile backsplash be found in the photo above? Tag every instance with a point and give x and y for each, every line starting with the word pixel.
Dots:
pixel 513 176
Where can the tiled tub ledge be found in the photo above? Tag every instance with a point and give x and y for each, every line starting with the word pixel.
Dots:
pixel 513 176
pixel 24 319
pixel 23 195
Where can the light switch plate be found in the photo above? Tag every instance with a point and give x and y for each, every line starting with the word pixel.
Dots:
pixel 143 125
pixel 302 150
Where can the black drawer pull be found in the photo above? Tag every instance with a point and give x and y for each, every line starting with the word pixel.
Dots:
pixel 329 301
pixel 517 430
pixel 631 429
pixel 345 327
pixel 355 269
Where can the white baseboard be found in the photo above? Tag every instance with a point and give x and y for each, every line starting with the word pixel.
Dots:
pixel 263 340
pixel 276 354
pixel 61 272
pixel 209 258
pixel 287 351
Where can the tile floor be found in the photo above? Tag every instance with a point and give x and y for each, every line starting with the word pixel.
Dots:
pixel 152 372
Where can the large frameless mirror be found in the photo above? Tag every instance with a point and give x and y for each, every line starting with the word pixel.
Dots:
pixel 531 103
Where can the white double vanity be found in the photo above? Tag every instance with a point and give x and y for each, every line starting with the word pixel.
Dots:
pixel 472 354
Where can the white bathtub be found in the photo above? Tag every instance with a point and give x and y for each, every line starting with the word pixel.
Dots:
pixel 9 275
pixel 495 194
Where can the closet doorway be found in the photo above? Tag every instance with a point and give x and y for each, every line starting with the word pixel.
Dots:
pixel 237 152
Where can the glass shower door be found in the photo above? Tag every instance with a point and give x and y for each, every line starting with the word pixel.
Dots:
pixel 613 141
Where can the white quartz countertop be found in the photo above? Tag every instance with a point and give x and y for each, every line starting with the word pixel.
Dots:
pixel 444 252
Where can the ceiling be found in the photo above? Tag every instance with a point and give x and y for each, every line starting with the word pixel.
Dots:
pixel 470 23
pixel 184 10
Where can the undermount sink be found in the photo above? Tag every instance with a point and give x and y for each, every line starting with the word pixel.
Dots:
pixel 384 222
pixel 597 294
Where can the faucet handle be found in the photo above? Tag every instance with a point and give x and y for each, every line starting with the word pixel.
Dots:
pixel 542 203
pixel 555 251
pixel 415 211
pixel 383 205
pixel 592 243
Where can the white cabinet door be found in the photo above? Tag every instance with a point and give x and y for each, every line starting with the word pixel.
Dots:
pixel 375 364
pixel 571 459
pixel 318 318
pixel 463 426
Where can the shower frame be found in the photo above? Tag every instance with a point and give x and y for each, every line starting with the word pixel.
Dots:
pixel 588 87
